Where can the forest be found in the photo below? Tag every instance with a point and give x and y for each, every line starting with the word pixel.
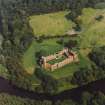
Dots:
pixel 16 37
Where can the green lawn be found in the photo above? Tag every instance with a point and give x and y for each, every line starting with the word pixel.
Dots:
pixel 93 33
pixel 51 24
pixel 49 46
pixel 69 69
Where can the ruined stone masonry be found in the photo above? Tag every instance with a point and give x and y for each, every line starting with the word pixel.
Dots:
pixel 70 57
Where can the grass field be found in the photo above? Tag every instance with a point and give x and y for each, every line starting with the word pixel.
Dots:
pixel 49 46
pixel 51 24
pixel 93 33
pixel 69 69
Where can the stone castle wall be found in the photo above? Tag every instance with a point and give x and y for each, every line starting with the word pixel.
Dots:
pixel 55 66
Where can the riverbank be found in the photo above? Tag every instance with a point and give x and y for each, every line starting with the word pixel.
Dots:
pixel 6 87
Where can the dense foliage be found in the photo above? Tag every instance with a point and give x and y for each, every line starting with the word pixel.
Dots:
pixel 83 76
pixel 96 98
pixel 97 70
pixel 16 36
pixel 6 99
pixel 98 56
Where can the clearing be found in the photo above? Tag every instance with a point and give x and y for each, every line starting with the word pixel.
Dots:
pixel 51 24
pixel 92 35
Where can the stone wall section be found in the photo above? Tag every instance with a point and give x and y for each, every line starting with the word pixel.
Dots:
pixel 71 57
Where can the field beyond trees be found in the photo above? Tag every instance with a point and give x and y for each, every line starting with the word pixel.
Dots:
pixel 92 34
pixel 56 23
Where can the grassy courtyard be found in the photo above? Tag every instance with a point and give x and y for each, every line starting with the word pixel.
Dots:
pixel 57 60
pixel 51 24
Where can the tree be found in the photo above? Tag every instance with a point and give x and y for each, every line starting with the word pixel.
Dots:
pixel 98 56
pixel 25 42
pixel 99 18
pixel 97 98
pixel 71 44
pixel 60 41
pixel 48 83
pixel 86 98
pixel 1 41
pixel 6 99
pixel 68 102
pixel 83 76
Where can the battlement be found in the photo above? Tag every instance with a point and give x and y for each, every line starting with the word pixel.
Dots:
pixel 67 56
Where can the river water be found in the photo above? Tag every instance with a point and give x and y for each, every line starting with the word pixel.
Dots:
pixel 74 94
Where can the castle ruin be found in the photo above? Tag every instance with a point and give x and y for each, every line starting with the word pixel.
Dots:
pixel 70 57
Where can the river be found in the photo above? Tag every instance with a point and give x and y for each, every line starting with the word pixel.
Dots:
pixel 74 94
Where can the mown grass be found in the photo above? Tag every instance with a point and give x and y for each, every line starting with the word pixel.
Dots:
pixel 51 24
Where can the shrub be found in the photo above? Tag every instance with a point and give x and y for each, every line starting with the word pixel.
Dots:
pixel 70 43
pixel 99 18
pixel 98 56
pixel 83 76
